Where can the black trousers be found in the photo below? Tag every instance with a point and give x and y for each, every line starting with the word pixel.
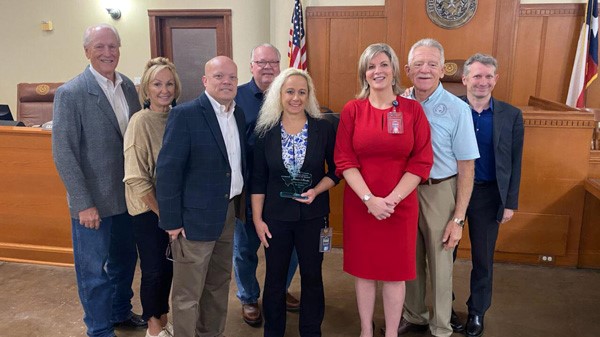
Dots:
pixel 482 214
pixel 157 271
pixel 304 236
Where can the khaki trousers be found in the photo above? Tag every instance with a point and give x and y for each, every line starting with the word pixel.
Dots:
pixel 436 208
pixel 201 277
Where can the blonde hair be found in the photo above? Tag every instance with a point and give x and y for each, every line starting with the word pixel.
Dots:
pixel 153 67
pixel 270 113
pixel 363 64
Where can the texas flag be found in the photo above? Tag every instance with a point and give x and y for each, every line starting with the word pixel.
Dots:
pixel 585 67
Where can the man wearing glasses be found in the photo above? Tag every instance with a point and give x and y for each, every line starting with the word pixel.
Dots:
pixel 264 66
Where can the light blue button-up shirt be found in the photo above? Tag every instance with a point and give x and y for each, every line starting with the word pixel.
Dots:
pixel 452 133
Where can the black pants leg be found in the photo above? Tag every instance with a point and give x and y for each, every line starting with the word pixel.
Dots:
pixel 483 231
pixel 157 271
pixel 312 298
pixel 277 258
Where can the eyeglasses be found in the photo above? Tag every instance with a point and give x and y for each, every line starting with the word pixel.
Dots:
pixel 263 64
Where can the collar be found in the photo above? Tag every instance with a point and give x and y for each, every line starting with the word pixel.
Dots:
pixel 438 92
pixel 255 89
pixel 105 81
pixel 218 107
pixel 491 105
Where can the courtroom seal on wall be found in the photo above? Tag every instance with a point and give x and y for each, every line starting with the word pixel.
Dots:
pixel 451 14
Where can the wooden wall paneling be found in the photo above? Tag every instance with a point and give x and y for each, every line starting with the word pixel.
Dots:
pixel 526 60
pixel 559 47
pixel 505 31
pixel 589 248
pixel 396 28
pixel 458 43
pixel 318 57
pixel 344 42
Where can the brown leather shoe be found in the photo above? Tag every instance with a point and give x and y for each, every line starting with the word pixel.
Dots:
pixel 291 303
pixel 251 314
pixel 406 326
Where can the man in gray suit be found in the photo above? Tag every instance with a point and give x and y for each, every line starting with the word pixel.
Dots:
pixel 91 113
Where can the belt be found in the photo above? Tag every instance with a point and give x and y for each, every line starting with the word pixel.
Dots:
pixel 433 181
pixel 484 182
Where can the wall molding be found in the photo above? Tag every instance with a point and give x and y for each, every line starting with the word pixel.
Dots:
pixel 346 12
pixel 554 123
pixel 552 10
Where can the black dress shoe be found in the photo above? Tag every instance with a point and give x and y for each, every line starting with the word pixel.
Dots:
pixel 455 323
pixel 133 322
pixel 474 326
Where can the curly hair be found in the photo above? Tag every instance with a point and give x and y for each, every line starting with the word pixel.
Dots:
pixel 153 67
pixel 270 113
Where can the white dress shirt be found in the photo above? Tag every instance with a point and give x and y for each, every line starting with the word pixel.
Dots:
pixel 231 136
pixel 116 97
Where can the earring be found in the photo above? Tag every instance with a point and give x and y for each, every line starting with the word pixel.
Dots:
pixel 147 104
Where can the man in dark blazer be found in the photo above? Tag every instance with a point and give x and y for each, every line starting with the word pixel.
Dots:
pixel 200 176
pixel 91 113
pixel 499 131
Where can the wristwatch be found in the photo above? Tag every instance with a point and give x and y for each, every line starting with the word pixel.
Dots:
pixel 460 222
pixel 366 197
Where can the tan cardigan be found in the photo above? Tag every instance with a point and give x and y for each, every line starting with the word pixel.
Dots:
pixel 142 143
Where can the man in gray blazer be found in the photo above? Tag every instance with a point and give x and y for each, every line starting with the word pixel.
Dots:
pixel 499 132
pixel 91 113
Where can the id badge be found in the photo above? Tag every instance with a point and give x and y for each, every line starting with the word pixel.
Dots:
pixel 325 239
pixel 394 123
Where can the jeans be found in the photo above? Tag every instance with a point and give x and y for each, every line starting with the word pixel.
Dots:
pixel 104 265
pixel 245 261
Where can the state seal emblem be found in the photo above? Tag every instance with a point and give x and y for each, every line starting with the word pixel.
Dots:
pixel 451 14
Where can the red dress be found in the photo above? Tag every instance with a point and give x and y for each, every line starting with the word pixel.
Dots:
pixel 381 249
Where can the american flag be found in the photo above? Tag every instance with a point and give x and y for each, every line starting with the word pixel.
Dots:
pixel 585 67
pixel 297 43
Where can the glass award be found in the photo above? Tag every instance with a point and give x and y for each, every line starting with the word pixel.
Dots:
pixel 296 184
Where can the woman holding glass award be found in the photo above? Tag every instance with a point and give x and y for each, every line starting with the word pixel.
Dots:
pixel 290 198
pixel 383 150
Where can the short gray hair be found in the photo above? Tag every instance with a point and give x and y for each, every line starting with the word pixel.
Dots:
pixel 428 42
pixel 265 45
pixel 484 59
pixel 87 35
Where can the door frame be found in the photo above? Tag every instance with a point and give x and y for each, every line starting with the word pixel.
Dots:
pixel 157 19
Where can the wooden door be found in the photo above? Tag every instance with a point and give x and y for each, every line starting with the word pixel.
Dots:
pixel 190 38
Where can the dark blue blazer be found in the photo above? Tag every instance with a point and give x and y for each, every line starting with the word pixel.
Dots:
pixel 269 167
pixel 193 175
pixel 508 134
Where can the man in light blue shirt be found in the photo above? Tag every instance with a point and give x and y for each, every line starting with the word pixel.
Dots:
pixel 444 197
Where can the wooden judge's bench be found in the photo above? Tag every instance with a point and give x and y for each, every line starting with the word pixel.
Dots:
pixel 558 217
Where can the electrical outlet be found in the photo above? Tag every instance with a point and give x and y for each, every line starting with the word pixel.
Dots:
pixel 546 259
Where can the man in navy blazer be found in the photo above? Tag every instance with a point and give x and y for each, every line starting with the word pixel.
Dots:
pixel 499 131
pixel 200 177
pixel 91 113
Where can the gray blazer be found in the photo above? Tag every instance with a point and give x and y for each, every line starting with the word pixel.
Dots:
pixel 87 145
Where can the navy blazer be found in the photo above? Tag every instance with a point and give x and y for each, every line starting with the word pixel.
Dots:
pixel 193 175
pixel 268 168
pixel 508 134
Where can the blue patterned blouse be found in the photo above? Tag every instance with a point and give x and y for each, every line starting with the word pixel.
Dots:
pixel 293 149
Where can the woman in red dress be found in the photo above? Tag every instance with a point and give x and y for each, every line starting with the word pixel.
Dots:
pixel 383 150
